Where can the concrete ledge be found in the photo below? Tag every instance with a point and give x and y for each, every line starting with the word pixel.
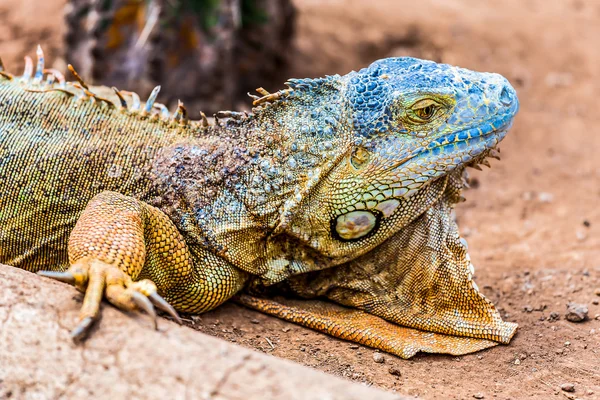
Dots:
pixel 126 358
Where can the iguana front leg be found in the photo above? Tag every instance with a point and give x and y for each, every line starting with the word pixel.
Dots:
pixel 128 252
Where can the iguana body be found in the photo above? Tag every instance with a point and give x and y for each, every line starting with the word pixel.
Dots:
pixel 337 188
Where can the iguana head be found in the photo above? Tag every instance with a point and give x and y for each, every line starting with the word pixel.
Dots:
pixel 402 125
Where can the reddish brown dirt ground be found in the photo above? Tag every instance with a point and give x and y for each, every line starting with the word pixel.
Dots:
pixel 532 222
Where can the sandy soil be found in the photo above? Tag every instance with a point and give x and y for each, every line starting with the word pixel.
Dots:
pixel 532 222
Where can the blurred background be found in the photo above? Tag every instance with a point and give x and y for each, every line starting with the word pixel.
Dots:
pixel 532 221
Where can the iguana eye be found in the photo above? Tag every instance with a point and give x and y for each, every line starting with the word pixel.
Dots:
pixel 424 110
pixel 359 157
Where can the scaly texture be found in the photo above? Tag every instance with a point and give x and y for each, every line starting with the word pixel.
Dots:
pixel 339 188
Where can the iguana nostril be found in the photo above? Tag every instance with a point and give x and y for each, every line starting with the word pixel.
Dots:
pixel 506 96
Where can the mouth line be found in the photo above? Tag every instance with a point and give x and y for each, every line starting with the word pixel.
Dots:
pixel 484 129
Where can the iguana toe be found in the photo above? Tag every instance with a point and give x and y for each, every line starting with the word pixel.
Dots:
pixel 99 280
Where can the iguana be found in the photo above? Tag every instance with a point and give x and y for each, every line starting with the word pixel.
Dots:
pixel 335 193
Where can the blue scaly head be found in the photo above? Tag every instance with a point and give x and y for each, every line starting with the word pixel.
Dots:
pixel 405 129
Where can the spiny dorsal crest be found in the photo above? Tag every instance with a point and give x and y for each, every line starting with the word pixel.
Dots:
pixel 80 90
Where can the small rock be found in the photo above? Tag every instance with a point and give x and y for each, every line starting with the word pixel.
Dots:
pixel 554 316
pixel 597 291
pixel 255 321
pixel 589 392
pixel 394 371
pixel 528 308
pixel 586 223
pixel 286 329
pixel 567 387
pixel 576 312
pixel 581 235
pixel 595 302
pixel 567 343
pixel 597 317
pixel 354 346
pixel 479 396
pixel 517 362
pixel 378 358
pixel 559 351
pixel 545 197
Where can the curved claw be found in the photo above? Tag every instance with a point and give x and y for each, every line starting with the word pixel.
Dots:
pixel 82 329
pixel 66 276
pixel 143 303
pixel 163 305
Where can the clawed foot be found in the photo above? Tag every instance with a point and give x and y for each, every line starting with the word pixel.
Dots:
pixel 98 279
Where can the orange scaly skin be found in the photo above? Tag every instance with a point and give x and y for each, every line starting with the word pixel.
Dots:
pixel 338 188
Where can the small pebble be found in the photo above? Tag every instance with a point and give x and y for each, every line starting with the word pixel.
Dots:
pixel 517 362
pixel 545 197
pixel 597 317
pixel 567 387
pixel 595 302
pixel 378 358
pixel 286 329
pixel 255 321
pixel 479 396
pixel 589 392
pixel 576 312
pixel 597 291
pixel 354 346
pixel 554 316
pixel 581 235
pixel 394 371
pixel 528 308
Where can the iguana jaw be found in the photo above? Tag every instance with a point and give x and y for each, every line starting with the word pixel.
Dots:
pixel 386 207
